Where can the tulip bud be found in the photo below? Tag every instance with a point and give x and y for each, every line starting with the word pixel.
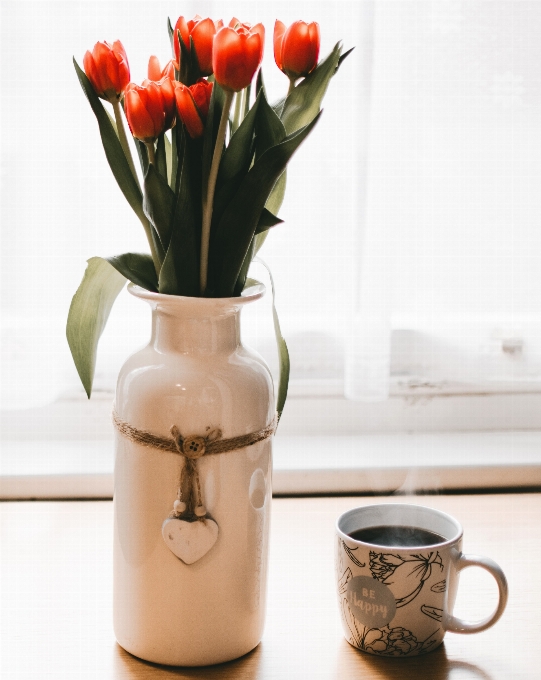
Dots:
pixel 107 69
pixel 202 32
pixel 155 71
pixel 193 105
pixel 150 108
pixel 296 50
pixel 238 51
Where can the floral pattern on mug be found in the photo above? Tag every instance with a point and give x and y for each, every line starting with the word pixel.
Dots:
pixel 386 641
pixel 405 577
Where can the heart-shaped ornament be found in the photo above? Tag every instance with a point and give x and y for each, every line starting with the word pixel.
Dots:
pixel 189 541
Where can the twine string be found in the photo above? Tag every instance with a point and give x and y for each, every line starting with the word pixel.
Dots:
pixel 192 448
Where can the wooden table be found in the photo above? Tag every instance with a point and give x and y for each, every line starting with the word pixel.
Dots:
pixel 56 597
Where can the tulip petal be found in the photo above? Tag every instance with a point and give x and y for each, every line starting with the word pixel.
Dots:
pixel 235 58
pixel 181 26
pixel 188 112
pixel 139 120
pixel 203 35
pixel 279 30
pixel 154 69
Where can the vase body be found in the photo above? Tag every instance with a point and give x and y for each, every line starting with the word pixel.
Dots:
pixel 195 374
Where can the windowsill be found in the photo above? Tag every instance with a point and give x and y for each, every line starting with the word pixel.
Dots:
pixel 367 463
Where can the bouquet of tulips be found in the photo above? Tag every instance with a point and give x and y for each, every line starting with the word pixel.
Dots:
pixel 213 154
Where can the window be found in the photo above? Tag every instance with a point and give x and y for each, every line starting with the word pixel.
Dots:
pixel 407 269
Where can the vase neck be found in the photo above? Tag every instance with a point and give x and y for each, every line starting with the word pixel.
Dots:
pixel 195 334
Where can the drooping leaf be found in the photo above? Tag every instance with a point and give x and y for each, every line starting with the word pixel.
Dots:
pixel 159 204
pixel 304 102
pixel 88 314
pixel 113 149
pixel 232 237
pixel 283 353
pixel 137 268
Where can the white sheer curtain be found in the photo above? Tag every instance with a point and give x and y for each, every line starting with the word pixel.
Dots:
pixel 451 242
pixel 414 205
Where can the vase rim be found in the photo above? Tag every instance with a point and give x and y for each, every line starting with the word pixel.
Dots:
pixel 254 291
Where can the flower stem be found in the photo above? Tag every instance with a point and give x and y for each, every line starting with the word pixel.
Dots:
pixel 208 193
pixel 291 86
pixel 122 137
pixel 237 114
pixel 151 154
pixel 125 147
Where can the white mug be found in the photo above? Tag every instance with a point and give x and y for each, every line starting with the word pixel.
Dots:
pixel 396 598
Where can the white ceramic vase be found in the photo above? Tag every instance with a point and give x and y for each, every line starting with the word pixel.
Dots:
pixel 195 374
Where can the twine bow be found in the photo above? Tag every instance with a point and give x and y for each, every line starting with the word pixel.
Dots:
pixel 192 448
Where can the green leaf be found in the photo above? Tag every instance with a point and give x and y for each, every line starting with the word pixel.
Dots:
pixel 113 149
pixel 260 84
pixel 179 274
pixel 259 240
pixel 237 157
pixel 159 204
pixel 88 314
pixel 232 237
pixel 161 160
pixel 342 57
pixel 266 221
pixel 304 102
pixel 241 280
pixel 278 107
pixel 216 105
pixel 269 132
pixel 283 353
pixel 179 143
pixel 247 95
pixel 276 198
pixel 269 129
pixel 169 159
pixel 171 32
pixel 137 268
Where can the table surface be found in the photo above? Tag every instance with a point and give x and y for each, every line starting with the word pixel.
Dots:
pixel 56 596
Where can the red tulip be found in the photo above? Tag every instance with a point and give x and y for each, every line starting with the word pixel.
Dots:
pixel 107 69
pixel 202 32
pixel 193 105
pixel 296 50
pixel 238 51
pixel 150 108
pixel 155 71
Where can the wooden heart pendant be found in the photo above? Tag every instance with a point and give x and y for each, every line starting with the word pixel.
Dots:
pixel 189 541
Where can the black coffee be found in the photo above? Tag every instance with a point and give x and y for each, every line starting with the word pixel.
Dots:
pixel 397 536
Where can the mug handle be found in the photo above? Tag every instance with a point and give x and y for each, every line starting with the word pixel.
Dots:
pixel 456 625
